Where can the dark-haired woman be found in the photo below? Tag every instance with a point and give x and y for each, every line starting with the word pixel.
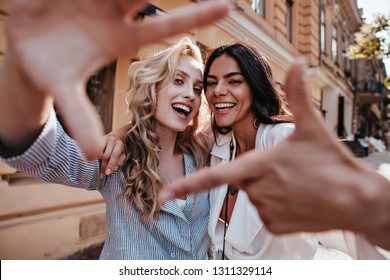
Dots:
pixel 248 112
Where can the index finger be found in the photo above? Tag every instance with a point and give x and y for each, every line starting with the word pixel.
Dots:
pixel 178 21
pixel 234 172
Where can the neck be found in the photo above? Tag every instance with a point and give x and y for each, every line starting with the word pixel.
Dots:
pixel 245 139
pixel 167 144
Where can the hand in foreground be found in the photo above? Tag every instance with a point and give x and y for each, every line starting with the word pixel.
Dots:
pixel 309 182
pixel 56 45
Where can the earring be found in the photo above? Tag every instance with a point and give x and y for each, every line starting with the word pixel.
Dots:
pixel 213 122
pixel 256 123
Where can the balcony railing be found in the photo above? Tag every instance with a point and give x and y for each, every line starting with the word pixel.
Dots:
pixel 373 87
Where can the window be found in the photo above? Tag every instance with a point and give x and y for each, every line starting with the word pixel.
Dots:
pixel 100 90
pixel 289 21
pixel 322 30
pixel 345 63
pixel 335 44
pixel 259 7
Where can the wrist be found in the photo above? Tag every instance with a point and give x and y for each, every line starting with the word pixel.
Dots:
pixel 372 195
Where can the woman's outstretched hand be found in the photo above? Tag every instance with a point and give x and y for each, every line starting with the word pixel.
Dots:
pixel 54 46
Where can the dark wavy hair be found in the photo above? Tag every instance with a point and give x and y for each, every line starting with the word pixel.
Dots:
pixel 269 106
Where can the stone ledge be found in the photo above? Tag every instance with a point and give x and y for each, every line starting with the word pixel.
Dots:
pixel 49 236
pixel 34 197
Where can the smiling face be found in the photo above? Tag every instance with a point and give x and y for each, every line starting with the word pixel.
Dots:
pixel 178 101
pixel 228 93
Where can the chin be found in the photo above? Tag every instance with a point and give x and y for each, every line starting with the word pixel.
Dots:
pixel 223 124
pixel 181 129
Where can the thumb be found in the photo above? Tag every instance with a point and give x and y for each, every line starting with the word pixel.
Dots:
pixel 305 115
pixel 81 119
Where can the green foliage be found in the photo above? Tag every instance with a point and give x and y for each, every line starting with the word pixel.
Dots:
pixel 373 40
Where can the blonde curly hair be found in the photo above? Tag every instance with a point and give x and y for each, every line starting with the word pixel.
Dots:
pixel 143 182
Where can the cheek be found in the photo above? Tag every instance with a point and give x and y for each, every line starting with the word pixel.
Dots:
pixel 208 96
pixel 247 101
pixel 197 103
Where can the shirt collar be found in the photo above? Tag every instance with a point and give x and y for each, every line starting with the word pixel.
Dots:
pixel 221 147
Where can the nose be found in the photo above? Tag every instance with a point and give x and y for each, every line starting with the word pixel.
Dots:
pixel 189 93
pixel 220 89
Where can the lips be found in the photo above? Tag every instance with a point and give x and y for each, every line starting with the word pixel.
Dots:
pixel 182 109
pixel 224 106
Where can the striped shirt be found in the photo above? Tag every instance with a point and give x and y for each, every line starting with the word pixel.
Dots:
pixel 177 234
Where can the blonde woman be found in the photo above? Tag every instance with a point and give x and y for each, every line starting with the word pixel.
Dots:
pixel 162 144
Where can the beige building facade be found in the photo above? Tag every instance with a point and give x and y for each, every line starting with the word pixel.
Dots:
pixel 45 221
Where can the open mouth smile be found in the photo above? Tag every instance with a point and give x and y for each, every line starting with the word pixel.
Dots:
pixel 224 106
pixel 182 109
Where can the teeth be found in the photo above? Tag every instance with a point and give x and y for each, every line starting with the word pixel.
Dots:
pixel 182 107
pixel 224 105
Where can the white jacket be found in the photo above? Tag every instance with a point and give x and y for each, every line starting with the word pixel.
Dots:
pixel 246 235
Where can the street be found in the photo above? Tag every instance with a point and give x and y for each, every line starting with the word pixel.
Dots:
pixel 379 161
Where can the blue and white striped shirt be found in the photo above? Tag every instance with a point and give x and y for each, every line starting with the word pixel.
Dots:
pixel 178 234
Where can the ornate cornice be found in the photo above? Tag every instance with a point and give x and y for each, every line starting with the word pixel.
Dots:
pixel 351 10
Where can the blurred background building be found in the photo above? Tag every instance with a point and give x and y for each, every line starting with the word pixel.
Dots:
pixel 45 221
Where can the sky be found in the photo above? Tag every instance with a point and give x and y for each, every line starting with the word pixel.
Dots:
pixel 372 8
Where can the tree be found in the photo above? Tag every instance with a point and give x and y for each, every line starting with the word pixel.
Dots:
pixel 373 40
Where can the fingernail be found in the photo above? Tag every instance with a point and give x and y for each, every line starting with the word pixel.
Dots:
pixel 101 176
pixel 108 171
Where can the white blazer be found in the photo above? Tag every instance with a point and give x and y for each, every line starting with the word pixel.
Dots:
pixel 246 236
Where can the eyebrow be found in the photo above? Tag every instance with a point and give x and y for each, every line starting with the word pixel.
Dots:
pixel 188 76
pixel 228 75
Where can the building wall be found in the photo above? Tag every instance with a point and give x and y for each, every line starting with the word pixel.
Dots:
pixel 46 221
pixel 39 220
pixel 330 77
pixel 327 81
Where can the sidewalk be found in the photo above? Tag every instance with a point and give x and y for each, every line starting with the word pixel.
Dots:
pixel 380 162
pixel 377 158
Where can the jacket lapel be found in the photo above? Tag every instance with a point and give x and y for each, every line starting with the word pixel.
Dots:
pixel 221 150
pixel 245 222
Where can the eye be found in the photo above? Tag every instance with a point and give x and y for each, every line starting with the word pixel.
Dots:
pixel 211 83
pixel 178 81
pixel 198 90
pixel 235 82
